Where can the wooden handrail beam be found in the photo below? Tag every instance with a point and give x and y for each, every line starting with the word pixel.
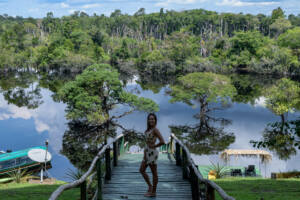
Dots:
pixel 61 188
pixel 221 192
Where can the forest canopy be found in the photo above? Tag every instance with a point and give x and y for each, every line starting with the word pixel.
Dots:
pixel 168 41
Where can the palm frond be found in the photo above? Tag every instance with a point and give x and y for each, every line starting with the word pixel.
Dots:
pixel 74 175
pixel 218 169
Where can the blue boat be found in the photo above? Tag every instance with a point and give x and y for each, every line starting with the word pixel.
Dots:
pixel 19 160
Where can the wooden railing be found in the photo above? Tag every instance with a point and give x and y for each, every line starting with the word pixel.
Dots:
pixel 103 163
pixel 202 189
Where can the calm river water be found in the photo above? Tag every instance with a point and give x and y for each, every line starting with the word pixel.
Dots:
pixel 29 115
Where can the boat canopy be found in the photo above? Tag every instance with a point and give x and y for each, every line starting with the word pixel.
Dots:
pixel 18 154
pixel 264 156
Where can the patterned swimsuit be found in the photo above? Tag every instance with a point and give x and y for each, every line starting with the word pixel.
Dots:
pixel 151 154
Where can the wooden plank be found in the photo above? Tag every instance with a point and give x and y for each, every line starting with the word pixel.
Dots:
pixel 127 183
pixel 140 197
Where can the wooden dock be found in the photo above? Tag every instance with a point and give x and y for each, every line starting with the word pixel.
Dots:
pixel 178 175
pixel 127 183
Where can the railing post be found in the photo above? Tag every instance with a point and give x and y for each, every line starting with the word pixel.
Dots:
pixel 115 150
pixel 83 191
pixel 171 145
pixel 177 155
pixel 121 145
pixel 107 164
pixel 184 165
pixel 210 192
pixel 99 178
pixel 194 184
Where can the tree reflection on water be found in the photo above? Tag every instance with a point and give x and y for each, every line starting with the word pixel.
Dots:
pixel 281 137
pixel 207 136
pixel 20 89
pixel 82 141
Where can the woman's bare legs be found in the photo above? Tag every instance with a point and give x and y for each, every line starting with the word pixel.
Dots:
pixel 153 168
pixel 145 175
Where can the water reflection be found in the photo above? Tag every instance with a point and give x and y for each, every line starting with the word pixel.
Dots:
pixel 20 89
pixel 249 88
pixel 53 81
pixel 24 126
pixel 81 143
pixel 281 137
pixel 207 136
pixel 205 143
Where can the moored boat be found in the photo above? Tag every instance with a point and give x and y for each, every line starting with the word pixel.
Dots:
pixel 20 160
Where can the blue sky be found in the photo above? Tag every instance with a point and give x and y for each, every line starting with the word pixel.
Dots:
pixel 39 8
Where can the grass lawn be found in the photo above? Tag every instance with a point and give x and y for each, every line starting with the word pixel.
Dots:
pixel 259 188
pixel 25 191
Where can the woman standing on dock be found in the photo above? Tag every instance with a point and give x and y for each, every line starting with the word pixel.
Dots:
pixel 151 154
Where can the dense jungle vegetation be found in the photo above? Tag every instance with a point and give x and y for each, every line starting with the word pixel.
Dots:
pixel 167 42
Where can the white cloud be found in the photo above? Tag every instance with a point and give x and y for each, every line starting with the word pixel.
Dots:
pixel 71 11
pixel 261 102
pixel 133 81
pixel 33 10
pixel 49 117
pixel 94 5
pixel 15 112
pixel 79 1
pixel 238 3
pixel 64 5
pixel 41 126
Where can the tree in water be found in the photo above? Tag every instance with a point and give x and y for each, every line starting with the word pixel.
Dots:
pixel 283 97
pixel 208 135
pixel 282 137
pixel 96 93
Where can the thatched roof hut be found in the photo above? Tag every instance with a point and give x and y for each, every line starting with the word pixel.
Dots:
pixel 264 156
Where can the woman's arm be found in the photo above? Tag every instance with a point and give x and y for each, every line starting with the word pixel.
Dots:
pixel 161 139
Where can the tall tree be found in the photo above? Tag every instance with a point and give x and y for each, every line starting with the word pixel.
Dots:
pixel 207 136
pixel 279 26
pixel 202 88
pixel 277 13
pixel 283 97
pixel 96 92
pixel 291 39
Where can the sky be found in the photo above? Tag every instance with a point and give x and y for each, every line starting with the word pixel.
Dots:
pixel 39 8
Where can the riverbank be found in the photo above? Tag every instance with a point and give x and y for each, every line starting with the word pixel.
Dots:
pixel 22 191
pixel 259 188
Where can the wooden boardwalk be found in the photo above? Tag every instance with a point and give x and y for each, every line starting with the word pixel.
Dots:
pixel 127 183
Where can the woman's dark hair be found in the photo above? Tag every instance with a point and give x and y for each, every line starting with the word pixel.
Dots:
pixel 151 114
